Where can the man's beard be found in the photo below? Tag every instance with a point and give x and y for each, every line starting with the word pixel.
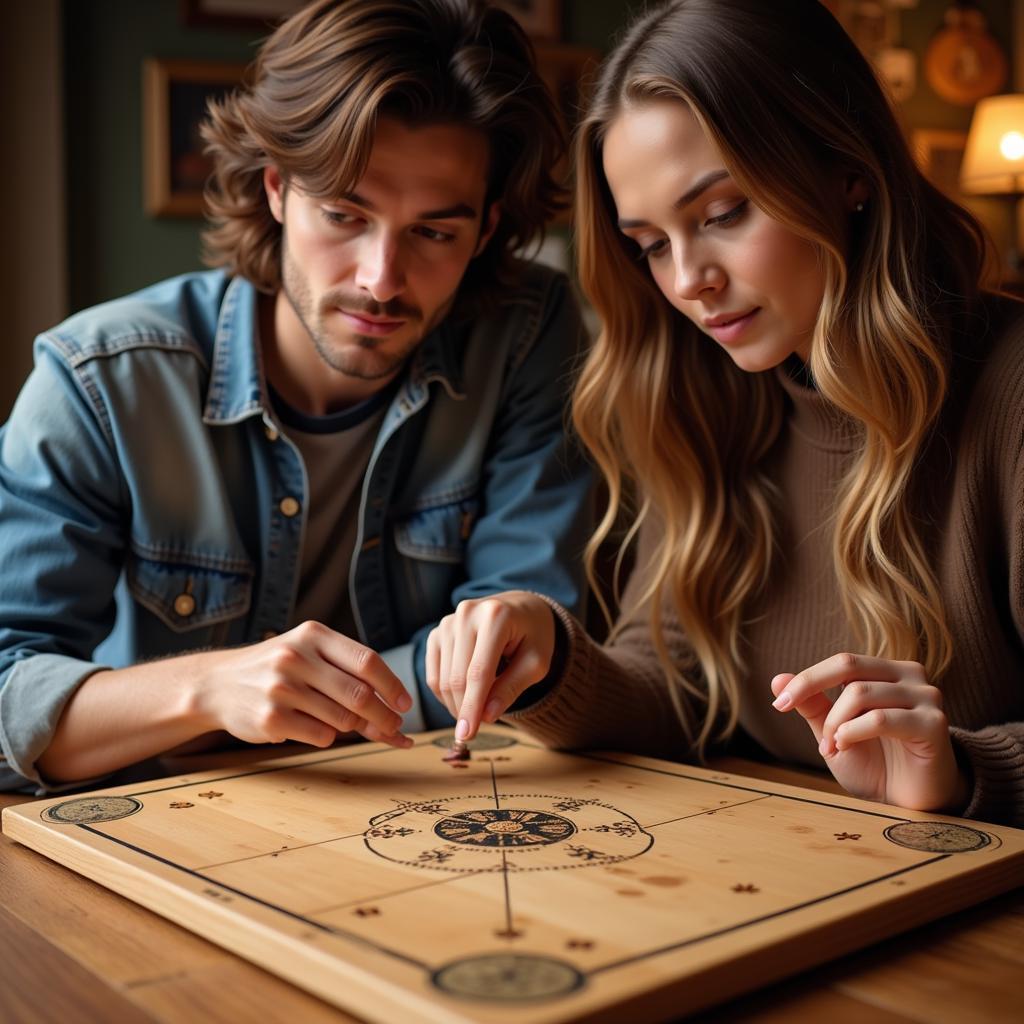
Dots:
pixel 341 357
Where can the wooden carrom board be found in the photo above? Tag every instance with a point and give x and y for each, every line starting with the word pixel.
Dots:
pixel 523 885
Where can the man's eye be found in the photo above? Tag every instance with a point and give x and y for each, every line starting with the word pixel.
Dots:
pixel 433 235
pixel 334 217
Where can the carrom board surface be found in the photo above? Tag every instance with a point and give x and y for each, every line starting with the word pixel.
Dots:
pixel 524 884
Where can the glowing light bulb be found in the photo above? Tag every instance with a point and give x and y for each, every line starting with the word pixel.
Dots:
pixel 1011 145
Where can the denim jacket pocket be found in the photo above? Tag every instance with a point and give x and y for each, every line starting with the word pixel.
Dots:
pixel 185 596
pixel 438 533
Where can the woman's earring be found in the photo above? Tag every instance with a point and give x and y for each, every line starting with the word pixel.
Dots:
pixel 859 207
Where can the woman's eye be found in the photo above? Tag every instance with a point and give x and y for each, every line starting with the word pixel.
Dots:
pixel 730 216
pixel 653 250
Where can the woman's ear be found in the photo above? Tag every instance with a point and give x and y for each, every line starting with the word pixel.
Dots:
pixel 857 193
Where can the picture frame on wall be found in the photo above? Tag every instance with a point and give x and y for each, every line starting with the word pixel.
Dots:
pixel 939 153
pixel 542 19
pixel 174 98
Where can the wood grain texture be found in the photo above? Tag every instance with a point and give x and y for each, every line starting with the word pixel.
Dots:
pixel 74 942
pixel 50 986
pixel 234 846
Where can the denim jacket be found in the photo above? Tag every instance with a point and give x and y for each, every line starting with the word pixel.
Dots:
pixel 151 504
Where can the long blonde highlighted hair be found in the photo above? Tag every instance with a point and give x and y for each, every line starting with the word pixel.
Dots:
pixel 790 104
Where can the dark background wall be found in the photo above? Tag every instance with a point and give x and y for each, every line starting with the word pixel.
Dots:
pixel 71 89
pixel 113 246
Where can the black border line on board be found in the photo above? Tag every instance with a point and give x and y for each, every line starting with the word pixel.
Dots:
pixel 531 746
pixel 361 940
pixel 746 789
pixel 640 957
pixel 325 928
pixel 261 771
pixel 765 917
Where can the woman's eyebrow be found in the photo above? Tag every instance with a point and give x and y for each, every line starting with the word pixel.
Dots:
pixel 702 185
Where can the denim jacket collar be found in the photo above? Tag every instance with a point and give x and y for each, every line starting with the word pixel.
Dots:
pixel 237 388
pixel 236 375
pixel 438 359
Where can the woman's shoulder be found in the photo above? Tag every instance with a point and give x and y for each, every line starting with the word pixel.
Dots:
pixel 988 377
pixel 991 352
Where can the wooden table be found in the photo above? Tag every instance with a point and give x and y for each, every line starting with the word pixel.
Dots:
pixel 71 950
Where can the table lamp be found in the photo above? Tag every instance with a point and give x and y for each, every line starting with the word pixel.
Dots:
pixel 993 161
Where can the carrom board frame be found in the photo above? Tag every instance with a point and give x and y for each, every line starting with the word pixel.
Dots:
pixel 523 885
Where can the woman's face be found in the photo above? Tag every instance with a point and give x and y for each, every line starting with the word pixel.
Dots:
pixel 743 278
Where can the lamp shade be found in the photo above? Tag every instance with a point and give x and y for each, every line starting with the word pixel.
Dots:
pixel 993 161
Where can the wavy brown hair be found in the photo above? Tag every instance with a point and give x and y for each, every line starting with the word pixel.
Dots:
pixel 792 106
pixel 311 102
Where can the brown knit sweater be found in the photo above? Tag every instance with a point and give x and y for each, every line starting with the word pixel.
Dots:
pixel 972 487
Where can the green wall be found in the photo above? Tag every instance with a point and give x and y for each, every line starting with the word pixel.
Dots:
pixel 114 247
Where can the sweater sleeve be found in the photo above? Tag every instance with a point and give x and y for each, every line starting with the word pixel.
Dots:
pixel 995 758
pixel 616 697
pixel 994 754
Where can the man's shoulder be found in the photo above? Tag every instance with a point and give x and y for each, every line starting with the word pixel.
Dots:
pixel 531 281
pixel 530 299
pixel 180 313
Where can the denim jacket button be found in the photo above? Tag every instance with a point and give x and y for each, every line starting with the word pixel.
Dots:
pixel 289 506
pixel 184 605
pixel 271 433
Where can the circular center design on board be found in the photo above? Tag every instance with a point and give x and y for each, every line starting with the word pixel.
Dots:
pixel 88 810
pixel 506 832
pixel 505 828
pixel 508 978
pixel 937 837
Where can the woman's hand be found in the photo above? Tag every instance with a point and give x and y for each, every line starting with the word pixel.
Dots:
pixel 886 737
pixel 482 656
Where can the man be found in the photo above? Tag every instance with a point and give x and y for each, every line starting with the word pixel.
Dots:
pixel 238 501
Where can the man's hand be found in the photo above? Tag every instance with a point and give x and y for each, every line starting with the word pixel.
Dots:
pixel 466 648
pixel 885 737
pixel 308 685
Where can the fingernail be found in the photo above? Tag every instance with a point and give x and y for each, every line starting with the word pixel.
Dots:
pixel 783 701
pixel 404 702
pixel 824 747
pixel 492 710
pixel 462 729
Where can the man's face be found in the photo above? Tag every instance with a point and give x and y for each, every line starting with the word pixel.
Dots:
pixel 366 275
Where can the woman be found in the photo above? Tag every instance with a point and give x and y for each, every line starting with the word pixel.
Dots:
pixel 821 415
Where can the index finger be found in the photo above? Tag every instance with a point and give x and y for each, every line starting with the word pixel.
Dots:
pixel 837 671
pixel 480 676
pixel 364 664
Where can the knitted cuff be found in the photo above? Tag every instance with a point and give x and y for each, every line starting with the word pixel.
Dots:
pixel 996 757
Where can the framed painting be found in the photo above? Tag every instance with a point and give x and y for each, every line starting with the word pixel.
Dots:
pixel 174 98
pixel 939 153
